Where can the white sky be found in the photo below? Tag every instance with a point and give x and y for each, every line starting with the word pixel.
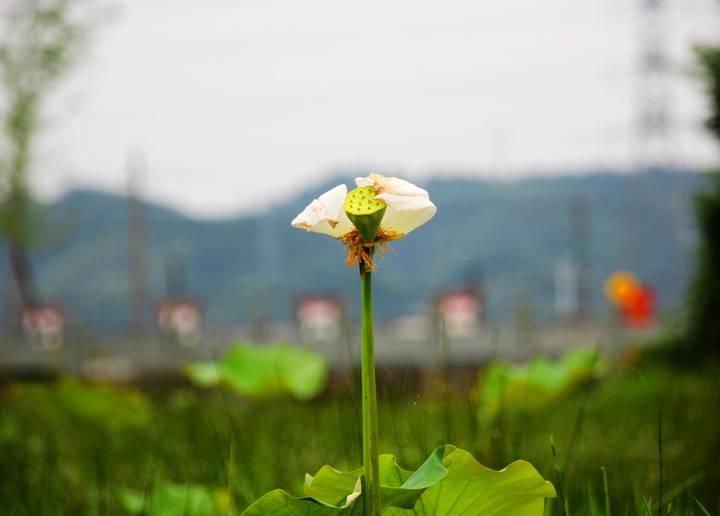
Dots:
pixel 232 101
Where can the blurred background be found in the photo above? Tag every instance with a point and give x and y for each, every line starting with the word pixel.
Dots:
pixel 168 147
pixel 153 154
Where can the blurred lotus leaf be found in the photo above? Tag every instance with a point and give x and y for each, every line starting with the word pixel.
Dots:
pixel 104 405
pixel 533 385
pixel 168 499
pixel 264 371
pixel 449 482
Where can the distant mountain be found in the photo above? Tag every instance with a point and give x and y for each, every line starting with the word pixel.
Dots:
pixel 512 234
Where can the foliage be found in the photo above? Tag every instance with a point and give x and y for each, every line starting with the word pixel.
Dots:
pixel 449 482
pixel 168 499
pixel 709 58
pixel 703 332
pixel 534 385
pixel 39 40
pixel 53 462
pixel 98 404
pixel 704 297
pixel 265 371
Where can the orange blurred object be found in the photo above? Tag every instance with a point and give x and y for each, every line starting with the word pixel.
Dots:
pixel 635 301
pixel 621 286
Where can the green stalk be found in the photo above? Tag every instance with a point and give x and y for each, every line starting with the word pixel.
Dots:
pixel 369 400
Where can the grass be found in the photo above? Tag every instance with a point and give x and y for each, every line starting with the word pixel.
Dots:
pixel 600 447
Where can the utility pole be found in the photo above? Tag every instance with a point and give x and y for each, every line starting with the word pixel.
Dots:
pixel 654 123
pixel 175 276
pixel 11 308
pixel 579 212
pixel 137 226
pixel 260 317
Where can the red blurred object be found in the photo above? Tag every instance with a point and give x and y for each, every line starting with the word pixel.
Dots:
pixel 638 308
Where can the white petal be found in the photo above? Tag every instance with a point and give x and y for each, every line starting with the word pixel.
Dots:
pixel 409 206
pixel 391 185
pixel 364 181
pixel 405 202
pixel 326 214
pixel 404 220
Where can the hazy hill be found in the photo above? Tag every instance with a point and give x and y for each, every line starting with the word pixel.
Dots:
pixel 513 233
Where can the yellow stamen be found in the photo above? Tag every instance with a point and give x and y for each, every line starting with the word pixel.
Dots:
pixel 361 252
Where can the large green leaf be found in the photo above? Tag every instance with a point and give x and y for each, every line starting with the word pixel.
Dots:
pixel 280 503
pixel 471 489
pixel 168 499
pixel 203 374
pixel 100 404
pixel 399 487
pixel 264 371
pixel 533 385
pixel 449 482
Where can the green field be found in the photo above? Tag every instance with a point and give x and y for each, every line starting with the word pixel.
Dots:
pixel 64 451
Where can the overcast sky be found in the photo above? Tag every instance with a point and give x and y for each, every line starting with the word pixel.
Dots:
pixel 231 102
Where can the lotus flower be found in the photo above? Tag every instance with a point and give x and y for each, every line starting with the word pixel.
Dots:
pixel 407 207
pixel 378 210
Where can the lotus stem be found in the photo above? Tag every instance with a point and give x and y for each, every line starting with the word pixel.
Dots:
pixel 369 400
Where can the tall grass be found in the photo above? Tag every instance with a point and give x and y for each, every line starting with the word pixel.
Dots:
pixel 603 457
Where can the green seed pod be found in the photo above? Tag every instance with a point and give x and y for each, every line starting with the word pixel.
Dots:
pixel 365 211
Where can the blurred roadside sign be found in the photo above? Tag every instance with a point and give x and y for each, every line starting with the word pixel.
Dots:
pixel 43 325
pixel 180 319
pixel 460 311
pixel 319 318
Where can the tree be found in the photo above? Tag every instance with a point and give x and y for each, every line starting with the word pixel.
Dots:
pixel 39 41
pixel 703 328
